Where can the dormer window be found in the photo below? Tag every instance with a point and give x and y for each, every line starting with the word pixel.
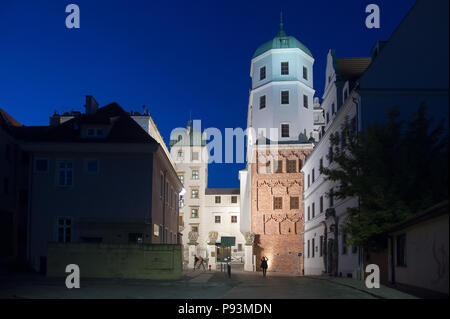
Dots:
pixel 284 43
pixel 93 132
pixel 305 73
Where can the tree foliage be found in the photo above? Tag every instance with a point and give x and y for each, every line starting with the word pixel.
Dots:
pixel 395 169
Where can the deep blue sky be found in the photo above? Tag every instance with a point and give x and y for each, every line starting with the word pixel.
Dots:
pixel 172 56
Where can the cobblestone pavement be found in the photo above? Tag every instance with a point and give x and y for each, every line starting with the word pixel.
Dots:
pixel 193 285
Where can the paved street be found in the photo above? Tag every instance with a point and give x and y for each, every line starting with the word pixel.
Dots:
pixel 198 284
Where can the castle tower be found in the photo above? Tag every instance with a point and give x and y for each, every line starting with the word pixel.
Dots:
pixel 281 117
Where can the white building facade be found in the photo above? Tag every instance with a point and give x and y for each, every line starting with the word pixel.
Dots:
pixel 325 250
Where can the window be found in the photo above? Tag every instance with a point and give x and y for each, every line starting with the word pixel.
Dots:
pixel 194 193
pixel 277 203
pixel 312 247
pixel 295 203
pixel 41 165
pixel 321 164
pixel 156 230
pixel 328 117
pixel 233 219
pixel 321 204
pixel 284 97
pixel 181 178
pixel 65 173
pixel 180 155
pixel 308 249
pixel 194 228
pixel 90 132
pixel 195 174
pixel 234 199
pixel 279 168
pixel 305 101
pixel 284 130
pixel 333 109
pixel 321 246
pixel 309 180
pixel 218 199
pixel 194 212
pixel 284 68
pixel 313 210
pixel 291 166
pixel 92 166
pixel 309 210
pixel 64 225
pixel 194 156
pixel 401 250
pixel 305 73
pixel 262 102
pixel 262 73
pixel 312 175
pixel 345 94
pixel 300 164
pixel 344 244
pixel 239 247
pixel 217 219
pixel 179 138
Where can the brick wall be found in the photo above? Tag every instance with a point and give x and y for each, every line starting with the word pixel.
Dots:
pixel 278 231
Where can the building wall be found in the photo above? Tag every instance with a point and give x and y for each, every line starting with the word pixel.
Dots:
pixel 159 262
pixel 278 231
pixel 109 204
pixel 271 116
pixel 426 254
pixel 225 210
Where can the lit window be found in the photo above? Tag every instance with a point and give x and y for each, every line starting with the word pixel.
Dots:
pixel 194 193
pixel 195 174
pixel 181 177
pixel 194 213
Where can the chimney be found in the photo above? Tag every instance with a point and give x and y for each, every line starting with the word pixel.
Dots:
pixel 55 119
pixel 91 104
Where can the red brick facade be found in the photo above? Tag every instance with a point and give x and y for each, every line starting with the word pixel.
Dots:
pixel 278 230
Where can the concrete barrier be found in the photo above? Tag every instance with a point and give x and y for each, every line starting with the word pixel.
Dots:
pixel 143 261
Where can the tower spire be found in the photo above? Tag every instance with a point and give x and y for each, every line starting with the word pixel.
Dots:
pixel 281 33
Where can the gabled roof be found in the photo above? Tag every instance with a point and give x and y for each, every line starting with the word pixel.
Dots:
pixel 123 128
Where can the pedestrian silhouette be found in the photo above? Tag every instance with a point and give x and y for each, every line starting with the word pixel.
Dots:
pixel 195 261
pixel 202 263
pixel 264 265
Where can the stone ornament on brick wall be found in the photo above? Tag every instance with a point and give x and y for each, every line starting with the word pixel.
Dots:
pixel 285 224
pixel 249 238
pixel 193 236
pixel 213 235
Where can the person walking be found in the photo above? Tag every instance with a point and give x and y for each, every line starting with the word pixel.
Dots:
pixel 264 265
pixel 195 261
pixel 202 263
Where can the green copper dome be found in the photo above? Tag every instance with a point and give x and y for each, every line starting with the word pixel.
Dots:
pixel 282 41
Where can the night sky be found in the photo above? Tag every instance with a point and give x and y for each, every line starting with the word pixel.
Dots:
pixel 176 57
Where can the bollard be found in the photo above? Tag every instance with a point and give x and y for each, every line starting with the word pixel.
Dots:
pixel 229 270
